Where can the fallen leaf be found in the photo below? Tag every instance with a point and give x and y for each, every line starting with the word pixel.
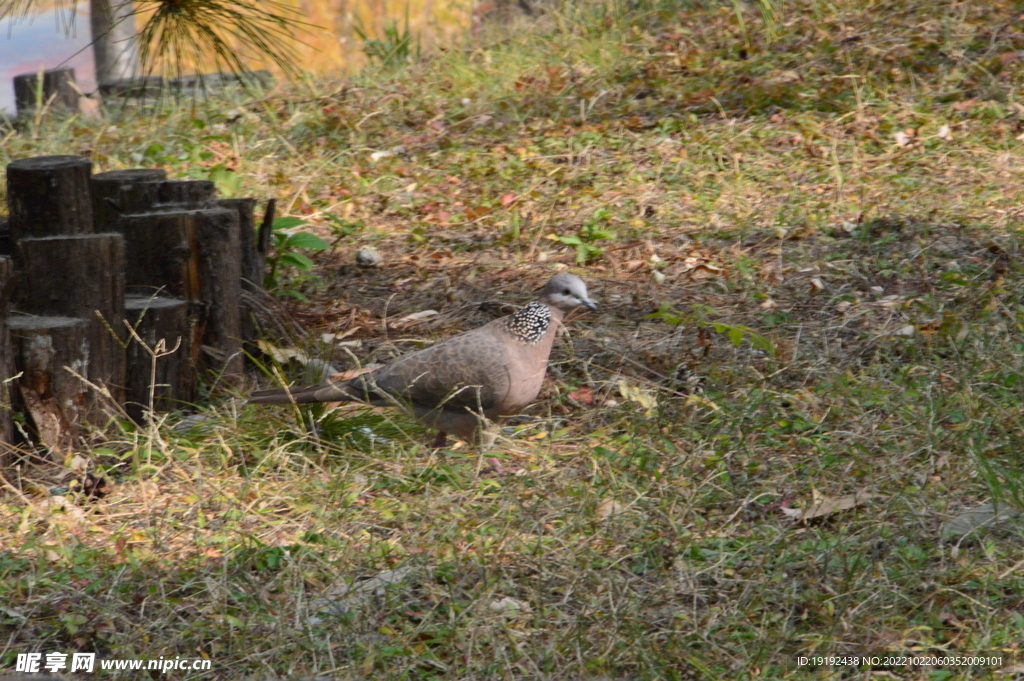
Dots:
pixel 335 337
pixel 584 395
pixel 965 105
pixel 282 355
pixel 702 401
pixel 825 506
pixel 906 331
pixel 608 508
pixel 509 606
pixel 644 398
pixel 507 199
pixel 705 271
pixel 768 304
pixel 945 133
pixel 77 463
pixel 411 319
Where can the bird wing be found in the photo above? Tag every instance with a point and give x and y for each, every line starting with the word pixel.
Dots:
pixel 468 371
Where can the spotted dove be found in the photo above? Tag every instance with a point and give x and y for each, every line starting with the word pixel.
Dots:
pixel 493 371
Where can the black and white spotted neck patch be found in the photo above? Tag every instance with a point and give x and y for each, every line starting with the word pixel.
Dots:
pixel 529 324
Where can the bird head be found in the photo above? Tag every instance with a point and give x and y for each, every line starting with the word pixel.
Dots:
pixel 566 291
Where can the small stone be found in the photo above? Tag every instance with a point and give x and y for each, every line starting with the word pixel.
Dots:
pixel 368 257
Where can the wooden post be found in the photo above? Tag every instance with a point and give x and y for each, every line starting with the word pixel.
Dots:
pixel 194 255
pixel 59 91
pixel 147 197
pixel 157 318
pixel 6 367
pixel 44 349
pixel 81 276
pixel 220 285
pixel 48 196
pixel 6 243
pixel 158 257
pixel 106 194
pixel 253 262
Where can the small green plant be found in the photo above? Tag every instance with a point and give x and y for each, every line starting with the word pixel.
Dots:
pixel 397 47
pixel 285 245
pixel 736 333
pixel 585 240
pixel 341 227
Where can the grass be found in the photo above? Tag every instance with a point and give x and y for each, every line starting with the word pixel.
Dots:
pixel 810 281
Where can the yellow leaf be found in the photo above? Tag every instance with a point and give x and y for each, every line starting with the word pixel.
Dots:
pixel 644 398
pixel 702 401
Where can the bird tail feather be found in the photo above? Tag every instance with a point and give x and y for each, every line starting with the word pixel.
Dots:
pixel 307 394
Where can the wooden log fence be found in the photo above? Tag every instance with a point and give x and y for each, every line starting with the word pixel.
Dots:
pixel 93 254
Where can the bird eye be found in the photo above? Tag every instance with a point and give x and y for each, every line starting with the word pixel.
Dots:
pixel 566 292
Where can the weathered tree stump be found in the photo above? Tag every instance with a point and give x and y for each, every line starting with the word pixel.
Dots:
pixel 6 365
pixel 49 196
pixel 194 255
pixel 106 194
pixel 6 242
pixel 81 276
pixel 220 286
pixel 158 254
pixel 157 319
pixel 44 349
pixel 58 91
pixel 148 197
pixel 253 262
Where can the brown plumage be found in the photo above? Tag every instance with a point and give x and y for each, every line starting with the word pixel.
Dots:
pixel 492 372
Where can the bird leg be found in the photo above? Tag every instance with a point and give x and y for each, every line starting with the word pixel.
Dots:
pixel 440 441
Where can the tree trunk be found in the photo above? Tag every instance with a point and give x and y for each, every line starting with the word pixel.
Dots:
pixel 49 196
pixel 114 40
pixel 156 319
pixel 44 349
pixel 57 92
pixel 81 276
pixel 106 194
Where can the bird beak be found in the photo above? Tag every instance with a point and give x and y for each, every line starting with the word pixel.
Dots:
pixel 587 302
